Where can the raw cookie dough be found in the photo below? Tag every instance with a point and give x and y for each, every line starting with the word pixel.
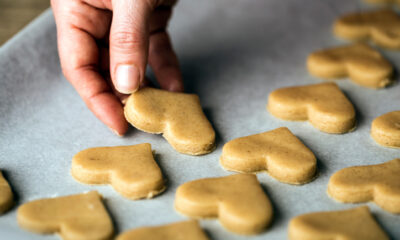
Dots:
pixel 6 195
pixel 278 151
pixel 74 217
pixel 187 230
pixel 324 105
pixel 379 183
pixel 238 201
pixel 385 129
pixel 363 64
pixel 131 170
pixel 178 116
pixel 380 26
pixel 352 224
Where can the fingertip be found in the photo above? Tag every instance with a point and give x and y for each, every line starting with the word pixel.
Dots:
pixel 127 78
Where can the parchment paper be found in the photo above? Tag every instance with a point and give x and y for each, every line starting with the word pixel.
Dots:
pixel 232 53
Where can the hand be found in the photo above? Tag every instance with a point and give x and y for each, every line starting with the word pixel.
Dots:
pixel 105 45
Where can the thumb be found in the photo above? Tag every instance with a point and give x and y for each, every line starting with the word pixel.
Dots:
pixel 129 43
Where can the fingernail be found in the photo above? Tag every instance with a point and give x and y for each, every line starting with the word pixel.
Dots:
pixel 115 132
pixel 127 79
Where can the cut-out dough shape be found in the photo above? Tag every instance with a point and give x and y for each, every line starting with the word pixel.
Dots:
pixel 178 116
pixel 74 217
pixel 188 230
pixel 131 170
pixel 238 201
pixel 363 64
pixel 6 195
pixel 352 224
pixel 385 129
pixel 278 151
pixel 323 105
pixel 380 26
pixel 379 183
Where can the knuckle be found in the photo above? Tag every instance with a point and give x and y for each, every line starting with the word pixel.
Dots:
pixel 124 40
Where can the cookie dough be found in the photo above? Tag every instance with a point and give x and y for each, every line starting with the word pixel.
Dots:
pixel 352 224
pixel 238 201
pixel 385 129
pixel 131 170
pixel 187 230
pixel 363 64
pixel 278 151
pixel 178 116
pixel 323 105
pixel 74 217
pixel 379 183
pixel 6 195
pixel 380 26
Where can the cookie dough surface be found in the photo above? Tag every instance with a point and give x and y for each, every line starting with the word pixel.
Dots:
pixel 6 195
pixel 363 64
pixel 74 217
pixel 187 230
pixel 238 201
pixel 379 183
pixel 324 105
pixel 279 152
pixel 385 129
pixel 380 26
pixel 352 224
pixel 178 116
pixel 131 170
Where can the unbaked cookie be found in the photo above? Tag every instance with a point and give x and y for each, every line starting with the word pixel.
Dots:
pixel 380 26
pixel 187 230
pixel 178 116
pixel 238 201
pixel 131 170
pixel 324 105
pixel 352 224
pixel 278 151
pixel 379 183
pixel 74 217
pixel 385 129
pixel 6 195
pixel 363 64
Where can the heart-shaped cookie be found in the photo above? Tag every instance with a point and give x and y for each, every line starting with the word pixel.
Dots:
pixel 352 224
pixel 74 217
pixel 385 129
pixel 381 26
pixel 187 230
pixel 278 151
pixel 6 195
pixel 324 105
pixel 363 64
pixel 178 116
pixel 131 170
pixel 238 201
pixel 379 183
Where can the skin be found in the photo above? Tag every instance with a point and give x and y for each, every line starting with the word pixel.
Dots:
pixel 97 36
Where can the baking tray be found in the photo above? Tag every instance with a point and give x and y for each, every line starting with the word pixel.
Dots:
pixel 232 53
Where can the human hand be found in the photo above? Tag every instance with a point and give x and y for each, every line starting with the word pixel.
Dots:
pixel 105 45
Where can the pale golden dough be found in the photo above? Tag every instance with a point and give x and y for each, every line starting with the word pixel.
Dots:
pixel 383 2
pixel 187 230
pixel 238 201
pixel 363 64
pixel 131 170
pixel 380 26
pixel 379 183
pixel 352 224
pixel 6 195
pixel 74 217
pixel 385 129
pixel 323 105
pixel 279 152
pixel 178 116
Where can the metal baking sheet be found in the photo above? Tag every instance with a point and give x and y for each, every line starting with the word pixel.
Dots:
pixel 232 53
